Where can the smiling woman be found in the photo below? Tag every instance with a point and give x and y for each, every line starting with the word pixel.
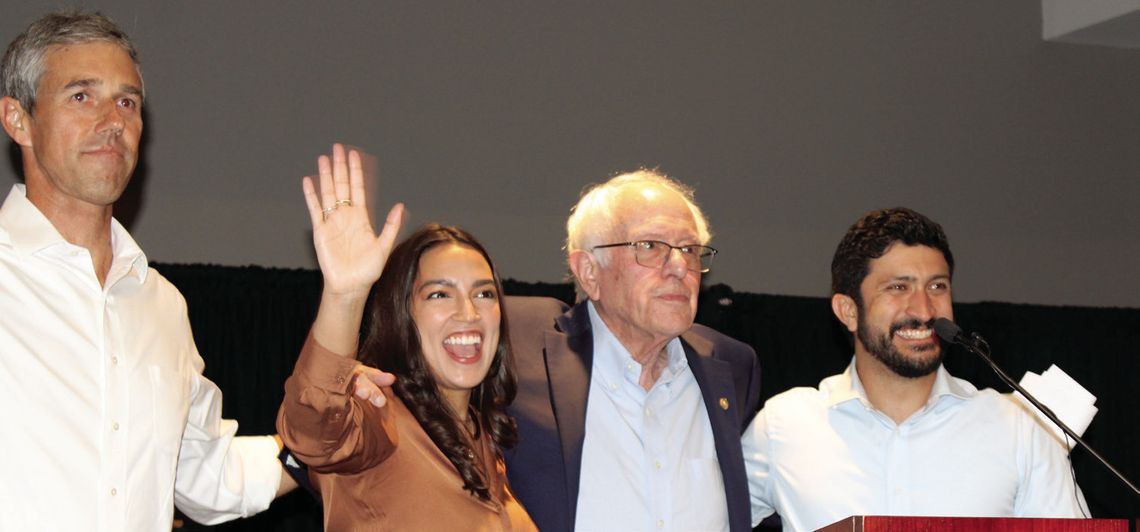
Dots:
pixel 455 308
pixel 416 448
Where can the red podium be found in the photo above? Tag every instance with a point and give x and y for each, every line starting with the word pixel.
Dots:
pixel 879 523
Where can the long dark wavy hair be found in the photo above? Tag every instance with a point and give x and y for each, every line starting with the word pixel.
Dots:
pixel 391 342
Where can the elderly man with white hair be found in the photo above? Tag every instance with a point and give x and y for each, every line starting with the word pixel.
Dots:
pixel 629 415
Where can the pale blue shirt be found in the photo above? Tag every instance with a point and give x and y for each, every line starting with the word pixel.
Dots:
pixel 816 456
pixel 648 459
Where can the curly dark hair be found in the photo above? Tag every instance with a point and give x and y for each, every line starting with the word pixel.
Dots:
pixel 391 342
pixel 870 238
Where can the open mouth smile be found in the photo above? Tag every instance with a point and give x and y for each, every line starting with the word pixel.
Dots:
pixel 464 347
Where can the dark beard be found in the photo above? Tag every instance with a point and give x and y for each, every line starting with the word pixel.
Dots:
pixel 881 348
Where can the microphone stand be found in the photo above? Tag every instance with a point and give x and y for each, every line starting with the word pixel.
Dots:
pixel 977 345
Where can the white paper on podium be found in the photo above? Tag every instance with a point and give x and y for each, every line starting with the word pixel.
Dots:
pixel 1072 403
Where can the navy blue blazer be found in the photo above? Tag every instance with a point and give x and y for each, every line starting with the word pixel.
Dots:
pixel 554 351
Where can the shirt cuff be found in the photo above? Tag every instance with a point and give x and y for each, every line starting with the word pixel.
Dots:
pixel 260 469
pixel 325 369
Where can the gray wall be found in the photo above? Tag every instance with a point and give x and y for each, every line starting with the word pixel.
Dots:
pixel 790 118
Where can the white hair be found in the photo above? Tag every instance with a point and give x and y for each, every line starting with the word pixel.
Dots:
pixel 597 215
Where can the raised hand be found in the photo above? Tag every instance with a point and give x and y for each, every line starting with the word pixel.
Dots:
pixel 350 253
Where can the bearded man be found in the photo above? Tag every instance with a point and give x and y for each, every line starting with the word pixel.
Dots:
pixel 896 434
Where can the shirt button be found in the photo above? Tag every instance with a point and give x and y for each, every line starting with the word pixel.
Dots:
pixel 656 465
pixel 660 523
pixel 115 426
pixel 114 492
pixel 648 412
pixel 340 379
pixel 115 361
pixel 613 386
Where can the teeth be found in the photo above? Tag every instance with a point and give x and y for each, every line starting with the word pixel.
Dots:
pixel 463 339
pixel 915 334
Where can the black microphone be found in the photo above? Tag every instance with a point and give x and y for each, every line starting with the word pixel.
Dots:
pixel 951 333
pixel 948 331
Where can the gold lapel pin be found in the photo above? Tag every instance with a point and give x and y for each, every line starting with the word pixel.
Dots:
pixel 724 403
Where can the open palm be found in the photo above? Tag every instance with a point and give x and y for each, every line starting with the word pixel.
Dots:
pixel 350 253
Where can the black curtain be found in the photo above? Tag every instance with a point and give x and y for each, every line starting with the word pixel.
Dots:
pixel 249 324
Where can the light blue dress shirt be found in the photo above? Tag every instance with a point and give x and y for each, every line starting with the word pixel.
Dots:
pixel 648 458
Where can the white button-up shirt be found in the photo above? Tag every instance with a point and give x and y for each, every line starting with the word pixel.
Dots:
pixel 648 458
pixel 102 398
pixel 817 456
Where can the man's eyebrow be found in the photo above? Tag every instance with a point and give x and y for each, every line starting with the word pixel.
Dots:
pixel 95 82
pixel 659 237
pixel 911 278
pixel 86 82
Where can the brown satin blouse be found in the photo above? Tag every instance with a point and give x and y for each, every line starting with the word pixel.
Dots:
pixel 376 468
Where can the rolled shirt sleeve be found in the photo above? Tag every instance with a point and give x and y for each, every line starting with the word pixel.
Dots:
pixel 222 476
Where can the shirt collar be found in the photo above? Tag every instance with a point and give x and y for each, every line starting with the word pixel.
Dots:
pixel 613 362
pixel 129 257
pixel 24 226
pixel 847 386
pixel 28 231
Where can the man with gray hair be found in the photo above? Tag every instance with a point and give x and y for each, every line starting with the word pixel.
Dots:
pixel 629 415
pixel 108 421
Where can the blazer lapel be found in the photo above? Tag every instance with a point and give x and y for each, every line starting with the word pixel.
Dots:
pixel 722 405
pixel 715 379
pixel 569 359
